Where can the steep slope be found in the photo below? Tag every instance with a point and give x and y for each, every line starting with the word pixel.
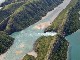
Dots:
pixel 73 21
pixel 19 15
pixel 5 42
pixel 5 13
pixel 50 48
pixel 11 1
pixel 67 22
pixel 28 14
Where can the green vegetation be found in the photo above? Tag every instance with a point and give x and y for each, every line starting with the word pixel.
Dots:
pixel 53 48
pixel 29 57
pixel 7 10
pixel 16 15
pixel 73 22
pixel 46 46
pixel 20 15
pixel 5 42
pixel 61 52
pixel 12 1
pixel 42 46
pixel 29 13
pixel 25 14
pixel 59 23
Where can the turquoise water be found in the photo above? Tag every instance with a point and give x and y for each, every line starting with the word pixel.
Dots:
pixel 25 39
pixel 74 49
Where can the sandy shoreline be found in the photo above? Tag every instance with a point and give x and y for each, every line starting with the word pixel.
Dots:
pixel 33 53
pixel 43 25
pixel 39 26
pixel 2 56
